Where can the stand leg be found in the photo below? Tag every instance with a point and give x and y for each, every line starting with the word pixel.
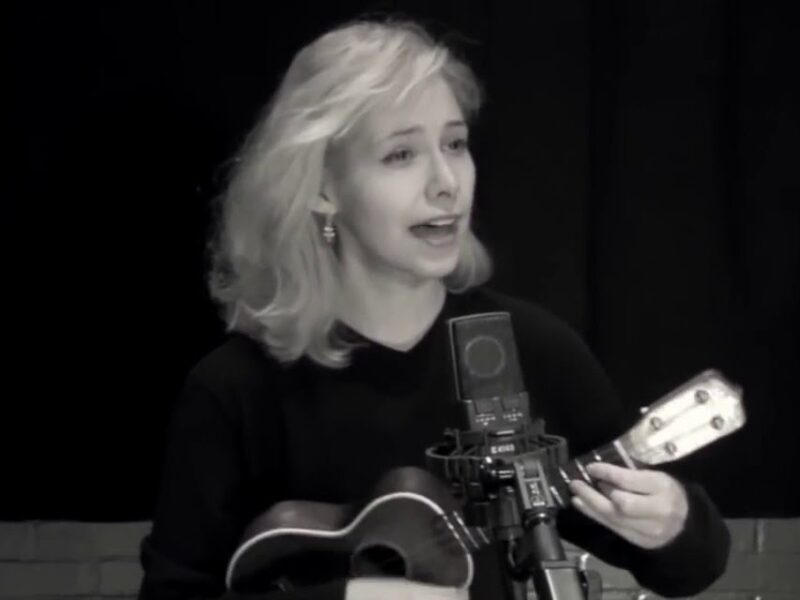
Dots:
pixel 541 554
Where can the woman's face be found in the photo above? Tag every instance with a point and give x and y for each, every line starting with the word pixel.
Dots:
pixel 402 182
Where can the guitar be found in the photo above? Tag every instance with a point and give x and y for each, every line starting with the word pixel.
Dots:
pixel 411 526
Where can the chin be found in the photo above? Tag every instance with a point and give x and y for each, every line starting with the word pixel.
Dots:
pixel 436 269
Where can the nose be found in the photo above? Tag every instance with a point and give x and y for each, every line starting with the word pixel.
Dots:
pixel 442 182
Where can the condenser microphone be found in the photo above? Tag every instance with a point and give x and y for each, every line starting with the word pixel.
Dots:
pixel 488 380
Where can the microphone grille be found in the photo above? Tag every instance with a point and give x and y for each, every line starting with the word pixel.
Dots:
pixel 485 356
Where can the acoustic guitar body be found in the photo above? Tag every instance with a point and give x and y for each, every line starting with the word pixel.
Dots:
pixel 408 527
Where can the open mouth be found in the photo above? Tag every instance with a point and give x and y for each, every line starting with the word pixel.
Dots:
pixel 436 231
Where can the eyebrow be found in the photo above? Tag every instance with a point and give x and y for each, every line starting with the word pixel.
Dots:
pixel 417 129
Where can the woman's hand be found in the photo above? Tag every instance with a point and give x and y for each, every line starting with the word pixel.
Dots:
pixel 647 508
pixel 380 588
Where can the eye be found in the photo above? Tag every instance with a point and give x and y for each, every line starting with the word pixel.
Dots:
pixel 401 155
pixel 458 145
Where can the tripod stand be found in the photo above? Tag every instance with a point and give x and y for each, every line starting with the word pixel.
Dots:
pixel 499 459
pixel 539 553
pixel 514 497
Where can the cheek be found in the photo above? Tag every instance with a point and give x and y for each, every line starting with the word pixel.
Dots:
pixel 467 176
pixel 380 204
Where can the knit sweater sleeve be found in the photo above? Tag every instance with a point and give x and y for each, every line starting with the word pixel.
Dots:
pixel 572 392
pixel 204 500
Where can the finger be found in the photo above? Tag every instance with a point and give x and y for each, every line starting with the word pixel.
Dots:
pixel 615 503
pixel 609 521
pixel 636 535
pixel 640 532
pixel 634 506
pixel 580 504
pixel 640 481
pixel 605 488
pixel 593 499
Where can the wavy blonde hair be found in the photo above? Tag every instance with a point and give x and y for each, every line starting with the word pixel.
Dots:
pixel 274 276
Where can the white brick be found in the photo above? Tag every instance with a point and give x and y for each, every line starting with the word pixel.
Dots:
pixel 63 541
pixel 613 577
pixel 118 540
pixel 705 596
pixel 19 580
pixel 742 575
pixel 120 578
pixel 743 534
pixel 781 573
pixel 16 540
pixel 781 536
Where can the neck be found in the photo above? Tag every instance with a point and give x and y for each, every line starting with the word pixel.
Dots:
pixel 388 311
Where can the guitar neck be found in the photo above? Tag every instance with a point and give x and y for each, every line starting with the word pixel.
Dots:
pixel 614 453
pixel 697 413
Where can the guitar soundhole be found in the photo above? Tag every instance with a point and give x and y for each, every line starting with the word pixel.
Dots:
pixel 378 560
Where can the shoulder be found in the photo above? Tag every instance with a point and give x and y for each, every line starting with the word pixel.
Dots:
pixel 237 369
pixel 237 357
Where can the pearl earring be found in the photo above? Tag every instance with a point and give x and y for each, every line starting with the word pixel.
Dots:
pixel 328 231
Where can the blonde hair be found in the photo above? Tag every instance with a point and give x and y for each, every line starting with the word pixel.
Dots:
pixel 274 276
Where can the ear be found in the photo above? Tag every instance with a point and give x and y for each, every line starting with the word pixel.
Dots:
pixel 326 201
pixel 323 205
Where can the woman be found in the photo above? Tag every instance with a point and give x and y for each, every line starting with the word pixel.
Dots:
pixel 344 246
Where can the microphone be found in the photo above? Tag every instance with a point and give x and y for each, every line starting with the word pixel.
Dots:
pixel 494 422
pixel 488 380
pixel 500 460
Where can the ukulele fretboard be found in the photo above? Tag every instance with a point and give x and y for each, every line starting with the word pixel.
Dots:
pixel 613 453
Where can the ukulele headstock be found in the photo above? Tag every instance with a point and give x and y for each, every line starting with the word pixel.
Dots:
pixel 699 412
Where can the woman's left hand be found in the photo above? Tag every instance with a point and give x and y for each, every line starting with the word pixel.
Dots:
pixel 647 508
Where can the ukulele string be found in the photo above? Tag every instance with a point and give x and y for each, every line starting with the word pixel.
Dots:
pixel 607 454
pixel 432 542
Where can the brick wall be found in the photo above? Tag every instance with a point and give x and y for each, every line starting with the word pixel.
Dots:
pixel 46 560
pixel 764 565
pixel 43 560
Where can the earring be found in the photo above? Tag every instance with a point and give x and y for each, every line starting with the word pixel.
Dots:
pixel 328 232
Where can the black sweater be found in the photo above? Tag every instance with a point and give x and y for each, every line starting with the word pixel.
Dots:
pixel 248 432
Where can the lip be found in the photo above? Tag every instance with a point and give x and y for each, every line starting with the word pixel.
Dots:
pixel 442 232
pixel 450 219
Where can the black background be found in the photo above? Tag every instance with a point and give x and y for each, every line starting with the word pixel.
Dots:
pixel 638 176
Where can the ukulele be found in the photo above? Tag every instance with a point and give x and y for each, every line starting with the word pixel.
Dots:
pixel 411 526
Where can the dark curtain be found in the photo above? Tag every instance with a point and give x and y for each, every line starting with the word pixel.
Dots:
pixel 645 154
pixel 637 170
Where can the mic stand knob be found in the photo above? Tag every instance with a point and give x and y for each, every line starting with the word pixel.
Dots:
pixel 539 554
pixel 590 579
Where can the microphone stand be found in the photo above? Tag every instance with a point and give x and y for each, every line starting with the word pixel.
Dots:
pixel 501 464
pixel 514 496
pixel 539 554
